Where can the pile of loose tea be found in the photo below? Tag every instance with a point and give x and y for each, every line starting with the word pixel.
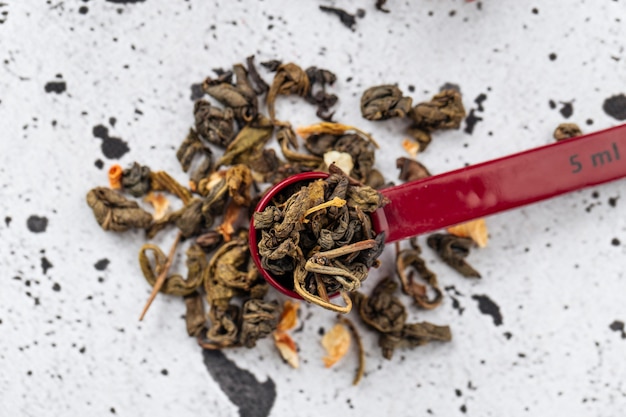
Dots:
pixel 322 237
pixel 318 236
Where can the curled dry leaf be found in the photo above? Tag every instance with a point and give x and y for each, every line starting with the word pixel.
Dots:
pixel 474 229
pixel 115 177
pixel 114 212
pixel 411 170
pixel 160 204
pixel 384 102
pixel 336 342
pixel 289 79
pixel 287 348
pixel 566 131
pixel 136 180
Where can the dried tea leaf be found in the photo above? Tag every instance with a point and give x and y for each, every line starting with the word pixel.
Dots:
pixel 248 142
pixel 174 284
pixel 289 316
pixel 114 212
pixel 287 139
pixel 191 147
pixel 136 180
pixel 382 310
pixel 413 335
pixel 224 331
pixel 214 124
pixel 336 342
pixel 195 319
pixel 409 259
pixel 287 348
pixel 444 111
pixel 240 97
pixel 239 181
pixel 319 97
pixel 232 266
pixel 259 319
pixel 453 250
pixel 115 177
pixel 162 181
pixel 411 170
pixel 209 240
pixel 384 102
pixel 289 79
pixel 160 203
pixel 474 229
pixel 260 86
pixel 421 136
pixel 564 131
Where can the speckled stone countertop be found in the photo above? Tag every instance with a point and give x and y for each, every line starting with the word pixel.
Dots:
pixel 85 84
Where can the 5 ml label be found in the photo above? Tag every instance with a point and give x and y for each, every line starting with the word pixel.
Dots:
pixel 594 160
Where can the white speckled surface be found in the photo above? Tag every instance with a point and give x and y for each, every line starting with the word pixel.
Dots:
pixel 70 342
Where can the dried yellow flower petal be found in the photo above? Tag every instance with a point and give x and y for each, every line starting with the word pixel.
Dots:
pixel 411 146
pixel 160 204
pixel 287 348
pixel 289 317
pixel 474 229
pixel 333 129
pixel 115 177
pixel 336 342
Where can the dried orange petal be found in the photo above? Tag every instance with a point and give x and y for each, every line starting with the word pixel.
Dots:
pixel 411 146
pixel 159 202
pixel 474 229
pixel 289 317
pixel 115 177
pixel 287 348
pixel 336 342
pixel 227 229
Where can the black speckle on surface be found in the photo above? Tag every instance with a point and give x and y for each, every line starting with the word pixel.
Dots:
pixel 196 92
pixel 470 122
pixel 450 86
pixel 479 101
pixel 552 56
pixel 552 104
pixel 102 264
pixel 535 10
pixel 615 241
pixel 346 18
pixel 612 202
pixel 45 265
pixel 615 107
pixel 618 326
pixel 487 306
pixel 55 87
pixel 83 9
pixel 567 109
pixel 254 399
pixel 508 335
pixel 112 148
pixel 99 164
pixel 37 224
pixel 164 372
pixel 124 1
pixel 7 220
pixel 411 88
pixel 56 287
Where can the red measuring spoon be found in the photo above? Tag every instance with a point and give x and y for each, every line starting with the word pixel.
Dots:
pixel 479 190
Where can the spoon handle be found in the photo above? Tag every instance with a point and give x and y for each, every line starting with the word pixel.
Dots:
pixel 501 184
